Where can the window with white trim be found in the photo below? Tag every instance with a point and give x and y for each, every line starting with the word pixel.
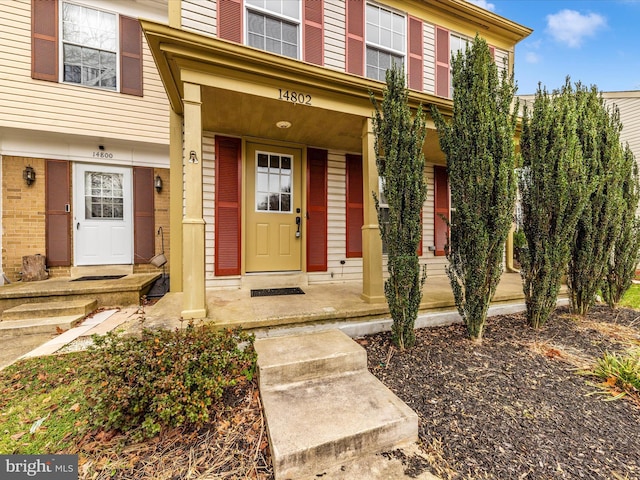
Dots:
pixel 89 46
pixel 457 43
pixel 383 206
pixel 386 40
pixel 274 26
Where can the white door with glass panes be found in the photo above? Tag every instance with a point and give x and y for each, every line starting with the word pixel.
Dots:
pixel 103 226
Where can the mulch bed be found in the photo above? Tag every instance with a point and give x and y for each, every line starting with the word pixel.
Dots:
pixel 517 406
pixel 233 445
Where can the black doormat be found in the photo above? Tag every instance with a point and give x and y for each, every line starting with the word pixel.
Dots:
pixel 98 277
pixel 271 292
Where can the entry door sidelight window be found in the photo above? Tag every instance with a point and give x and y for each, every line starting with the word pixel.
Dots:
pixel 104 196
pixel 273 182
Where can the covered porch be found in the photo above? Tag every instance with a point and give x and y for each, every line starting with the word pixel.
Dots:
pixel 217 88
pixel 326 306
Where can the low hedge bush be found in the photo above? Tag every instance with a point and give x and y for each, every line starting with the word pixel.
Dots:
pixel 167 378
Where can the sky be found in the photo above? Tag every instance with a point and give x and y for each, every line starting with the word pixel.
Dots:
pixel 596 42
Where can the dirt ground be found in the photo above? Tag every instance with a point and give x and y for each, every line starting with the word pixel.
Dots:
pixel 518 406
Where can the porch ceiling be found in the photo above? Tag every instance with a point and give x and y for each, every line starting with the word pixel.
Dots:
pixel 240 85
pixel 235 113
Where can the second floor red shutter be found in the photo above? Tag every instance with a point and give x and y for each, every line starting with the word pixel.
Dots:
pixel 314 31
pixel 441 209
pixel 44 40
pixel 230 20
pixel 317 210
pixel 355 206
pixel 130 56
pixel 443 56
pixel 355 36
pixel 416 73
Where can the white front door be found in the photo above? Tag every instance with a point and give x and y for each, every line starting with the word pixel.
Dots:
pixel 103 225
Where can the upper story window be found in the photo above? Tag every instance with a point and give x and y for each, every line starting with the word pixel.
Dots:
pixel 89 46
pixel 386 40
pixel 274 26
pixel 80 45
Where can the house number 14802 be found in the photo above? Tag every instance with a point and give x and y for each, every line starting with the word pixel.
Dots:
pixel 294 97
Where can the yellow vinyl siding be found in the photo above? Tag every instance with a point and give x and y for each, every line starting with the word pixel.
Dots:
pixel 72 109
pixel 200 16
pixel 334 34
pixel 429 57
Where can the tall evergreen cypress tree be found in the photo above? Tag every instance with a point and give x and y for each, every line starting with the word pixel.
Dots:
pixel 400 161
pixel 479 145
pixel 599 226
pixel 554 188
pixel 625 256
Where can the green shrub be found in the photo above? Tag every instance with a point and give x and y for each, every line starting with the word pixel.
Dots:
pixel 167 378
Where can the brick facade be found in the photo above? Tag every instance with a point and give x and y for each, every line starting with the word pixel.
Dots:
pixel 23 213
pixel 24 223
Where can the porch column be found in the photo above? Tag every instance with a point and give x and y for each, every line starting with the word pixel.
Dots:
pixel 175 202
pixel 194 299
pixel 372 283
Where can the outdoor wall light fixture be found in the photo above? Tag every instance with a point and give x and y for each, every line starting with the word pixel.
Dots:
pixel 158 184
pixel 283 124
pixel 193 158
pixel 29 174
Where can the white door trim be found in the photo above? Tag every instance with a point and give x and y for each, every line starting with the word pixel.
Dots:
pixel 103 241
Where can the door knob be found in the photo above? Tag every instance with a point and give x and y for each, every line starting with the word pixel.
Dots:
pixel 298 222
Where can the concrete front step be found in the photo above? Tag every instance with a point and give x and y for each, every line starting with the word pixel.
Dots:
pixel 303 357
pixel 50 309
pixel 44 325
pixel 317 421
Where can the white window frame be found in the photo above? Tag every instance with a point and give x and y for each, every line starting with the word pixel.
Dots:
pixel 277 16
pixel 61 43
pixel 462 39
pixel 383 48
pixel 291 179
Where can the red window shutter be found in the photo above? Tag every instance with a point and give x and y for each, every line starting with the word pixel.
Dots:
pixel 228 203
pixel 130 56
pixel 416 71
pixel 314 31
pixel 230 20
pixel 143 215
pixel 44 40
pixel 441 209
pixel 57 218
pixel 443 56
pixel 355 36
pixel 316 210
pixel 355 206
pixel 492 50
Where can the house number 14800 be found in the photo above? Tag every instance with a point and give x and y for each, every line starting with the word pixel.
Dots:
pixel 295 97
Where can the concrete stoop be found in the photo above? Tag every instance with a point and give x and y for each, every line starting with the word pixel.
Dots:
pixel 45 317
pixel 322 406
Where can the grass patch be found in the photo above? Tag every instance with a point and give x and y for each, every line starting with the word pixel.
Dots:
pixel 620 374
pixel 44 403
pixel 631 299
